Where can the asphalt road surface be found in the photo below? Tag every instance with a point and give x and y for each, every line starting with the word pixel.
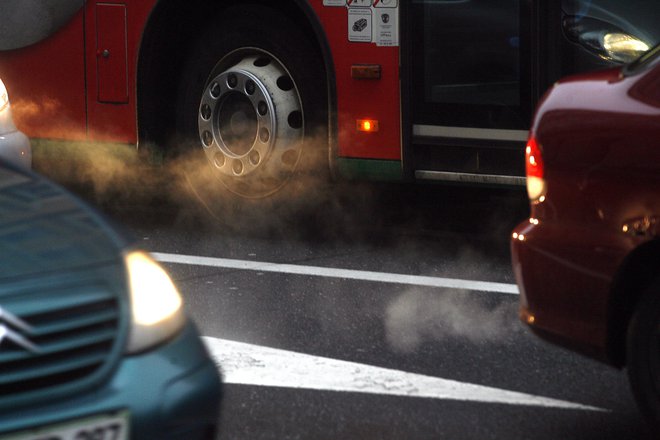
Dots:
pixel 375 311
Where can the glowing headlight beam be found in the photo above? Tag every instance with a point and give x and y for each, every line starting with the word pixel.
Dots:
pixel 154 297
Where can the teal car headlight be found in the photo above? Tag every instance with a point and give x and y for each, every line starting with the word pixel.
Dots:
pixel 156 305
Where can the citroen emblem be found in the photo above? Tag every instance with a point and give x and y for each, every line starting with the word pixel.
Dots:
pixel 13 329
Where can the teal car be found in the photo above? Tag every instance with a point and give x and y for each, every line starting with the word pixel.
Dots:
pixel 94 341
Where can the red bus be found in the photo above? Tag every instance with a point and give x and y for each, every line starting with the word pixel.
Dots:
pixel 386 89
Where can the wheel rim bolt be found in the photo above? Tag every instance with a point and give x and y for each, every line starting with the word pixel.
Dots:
pixel 262 108
pixel 206 112
pixel 207 138
pixel 219 160
pixel 250 87
pixel 264 135
pixel 255 157
pixel 237 167
pixel 215 90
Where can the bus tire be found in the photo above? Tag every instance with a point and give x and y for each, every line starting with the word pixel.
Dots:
pixel 643 354
pixel 253 99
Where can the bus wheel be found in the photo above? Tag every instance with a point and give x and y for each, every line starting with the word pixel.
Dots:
pixel 252 100
pixel 643 355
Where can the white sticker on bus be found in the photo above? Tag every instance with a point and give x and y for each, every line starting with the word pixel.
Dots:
pixel 358 3
pixel 359 25
pixel 386 3
pixel 387 27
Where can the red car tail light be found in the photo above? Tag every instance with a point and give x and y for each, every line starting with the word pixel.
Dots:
pixel 535 171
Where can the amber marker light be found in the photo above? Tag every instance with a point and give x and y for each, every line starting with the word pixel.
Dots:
pixel 367 125
pixel 527 316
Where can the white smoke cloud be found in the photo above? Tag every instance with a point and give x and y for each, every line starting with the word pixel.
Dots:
pixel 416 317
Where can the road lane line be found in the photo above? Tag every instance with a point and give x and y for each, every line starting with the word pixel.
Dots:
pixel 248 364
pixel 362 275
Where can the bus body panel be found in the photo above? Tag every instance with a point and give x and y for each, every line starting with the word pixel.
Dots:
pixel 363 98
pixel 108 120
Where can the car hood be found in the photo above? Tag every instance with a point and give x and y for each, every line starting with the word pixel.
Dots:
pixel 45 229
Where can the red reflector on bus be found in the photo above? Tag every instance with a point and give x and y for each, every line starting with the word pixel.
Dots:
pixel 365 71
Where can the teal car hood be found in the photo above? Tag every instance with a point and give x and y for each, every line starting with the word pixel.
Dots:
pixel 45 229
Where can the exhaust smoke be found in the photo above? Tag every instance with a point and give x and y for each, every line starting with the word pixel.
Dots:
pixel 119 177
pixel 416 317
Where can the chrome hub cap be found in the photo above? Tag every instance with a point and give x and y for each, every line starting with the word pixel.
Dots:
pixel 251 125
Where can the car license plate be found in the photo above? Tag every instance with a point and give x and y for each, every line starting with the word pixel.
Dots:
pixel 110 427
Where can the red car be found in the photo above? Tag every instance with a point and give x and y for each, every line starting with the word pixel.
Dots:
pixel 587 261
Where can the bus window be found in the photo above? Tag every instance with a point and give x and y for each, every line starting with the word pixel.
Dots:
pixel 467 63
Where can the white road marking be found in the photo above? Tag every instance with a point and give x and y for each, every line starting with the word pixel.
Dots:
pixel 362 275
pixel 248 364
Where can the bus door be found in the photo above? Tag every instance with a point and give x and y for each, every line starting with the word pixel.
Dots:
pixel 468 89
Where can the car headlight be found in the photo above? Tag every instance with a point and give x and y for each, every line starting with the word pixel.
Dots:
pixel 604 39
pixel 156 305
pixel 623 47
pixel 4 96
